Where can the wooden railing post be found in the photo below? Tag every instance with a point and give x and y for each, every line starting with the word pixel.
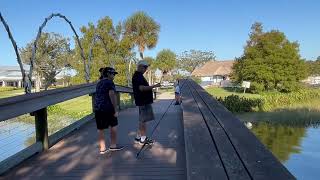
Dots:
pixel 155 91
pixel 42 127
pixel 118 100
pixel 93 96
pixel 132 100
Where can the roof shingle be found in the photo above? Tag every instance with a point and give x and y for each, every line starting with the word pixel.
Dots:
pixel 212 68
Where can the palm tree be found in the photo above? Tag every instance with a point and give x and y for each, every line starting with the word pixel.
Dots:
pixel 143 30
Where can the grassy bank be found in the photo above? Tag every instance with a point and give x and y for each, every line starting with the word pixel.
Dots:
pixel 300 108
pixel 10 93
pixel 305 114
pixel 224 92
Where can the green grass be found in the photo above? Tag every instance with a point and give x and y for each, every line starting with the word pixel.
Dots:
pixel 76 105
pixel 303 114
pixel 11 93
pixel 299 113
pixel 64 113
pixel 221 92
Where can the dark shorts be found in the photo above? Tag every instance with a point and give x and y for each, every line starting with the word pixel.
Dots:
pixel 146 113
pixel 177 94
pixel 105 119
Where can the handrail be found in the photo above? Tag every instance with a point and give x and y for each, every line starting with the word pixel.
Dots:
pixel 14 106
pixel 228 149
pixel 36 104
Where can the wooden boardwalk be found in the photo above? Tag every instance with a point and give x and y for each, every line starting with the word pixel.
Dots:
pixel 77 157
pixel 200 139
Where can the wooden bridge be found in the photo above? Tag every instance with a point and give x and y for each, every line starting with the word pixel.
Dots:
pixel 200 139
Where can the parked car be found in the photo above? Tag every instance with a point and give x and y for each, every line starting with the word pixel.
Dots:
pixel 166 84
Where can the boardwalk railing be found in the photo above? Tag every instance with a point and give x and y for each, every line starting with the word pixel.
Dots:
pixel 218 145
pixel 36 104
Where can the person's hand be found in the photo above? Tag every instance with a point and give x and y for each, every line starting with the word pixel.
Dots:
pixel 157 85
pixel 116 114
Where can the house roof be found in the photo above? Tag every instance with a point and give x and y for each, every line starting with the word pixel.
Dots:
pixel 13 68
pixel 213 68
pixel 14 73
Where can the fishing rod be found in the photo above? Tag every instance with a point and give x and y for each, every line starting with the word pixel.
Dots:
pixel 155 127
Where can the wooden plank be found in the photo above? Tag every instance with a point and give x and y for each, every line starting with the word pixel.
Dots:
pixel 260 162
pixel 202 159
pixel 232 163
pixel 77 156
pixel 15 106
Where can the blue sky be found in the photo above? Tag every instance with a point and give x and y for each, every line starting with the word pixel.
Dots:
pixel 220 26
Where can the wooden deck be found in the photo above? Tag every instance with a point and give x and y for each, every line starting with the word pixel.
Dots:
pixel 77 157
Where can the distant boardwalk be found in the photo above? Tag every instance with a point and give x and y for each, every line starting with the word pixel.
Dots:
pixel 76 157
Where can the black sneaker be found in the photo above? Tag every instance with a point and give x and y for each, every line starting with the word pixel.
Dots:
pixel 104 151
pixel 137 140
pixel 117 148
pixel 147 141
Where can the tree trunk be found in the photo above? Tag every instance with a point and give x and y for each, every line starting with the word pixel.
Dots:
pixel 141 55
pixel 38 82
pixel 46 87
pixel 129 74
pixel 150 77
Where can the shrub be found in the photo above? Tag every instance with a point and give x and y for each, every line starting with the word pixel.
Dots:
pixel 274 100
pixel 196 79
pixel 234 103
pixel 269 101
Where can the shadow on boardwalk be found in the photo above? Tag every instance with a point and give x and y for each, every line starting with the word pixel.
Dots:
pixel 77 157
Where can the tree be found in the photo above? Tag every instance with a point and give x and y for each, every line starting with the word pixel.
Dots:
pixel 52 56
pixel 270 61
pixel 165 61
pixel 151 69
pixel 314 67
pixel 114 47
pixel 190 60
pixel 143 30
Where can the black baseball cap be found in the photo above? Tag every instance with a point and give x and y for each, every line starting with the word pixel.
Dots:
pixel 110 70
pixel 101 69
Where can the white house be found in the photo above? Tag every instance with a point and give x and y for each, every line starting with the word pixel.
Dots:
pixel 11 75
pixel 214 72
pixel 312 80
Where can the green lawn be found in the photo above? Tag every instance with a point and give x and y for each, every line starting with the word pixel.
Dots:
pixel 223 92
pixel 64 113
pixel 79 104
pixel 6 94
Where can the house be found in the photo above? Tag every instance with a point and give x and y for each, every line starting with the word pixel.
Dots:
pixel 214 72
pixel 11 76
pixel 312 80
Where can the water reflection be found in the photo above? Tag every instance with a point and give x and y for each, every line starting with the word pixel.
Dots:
pixel 296 145
pixel 281 140
pixel 14 137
